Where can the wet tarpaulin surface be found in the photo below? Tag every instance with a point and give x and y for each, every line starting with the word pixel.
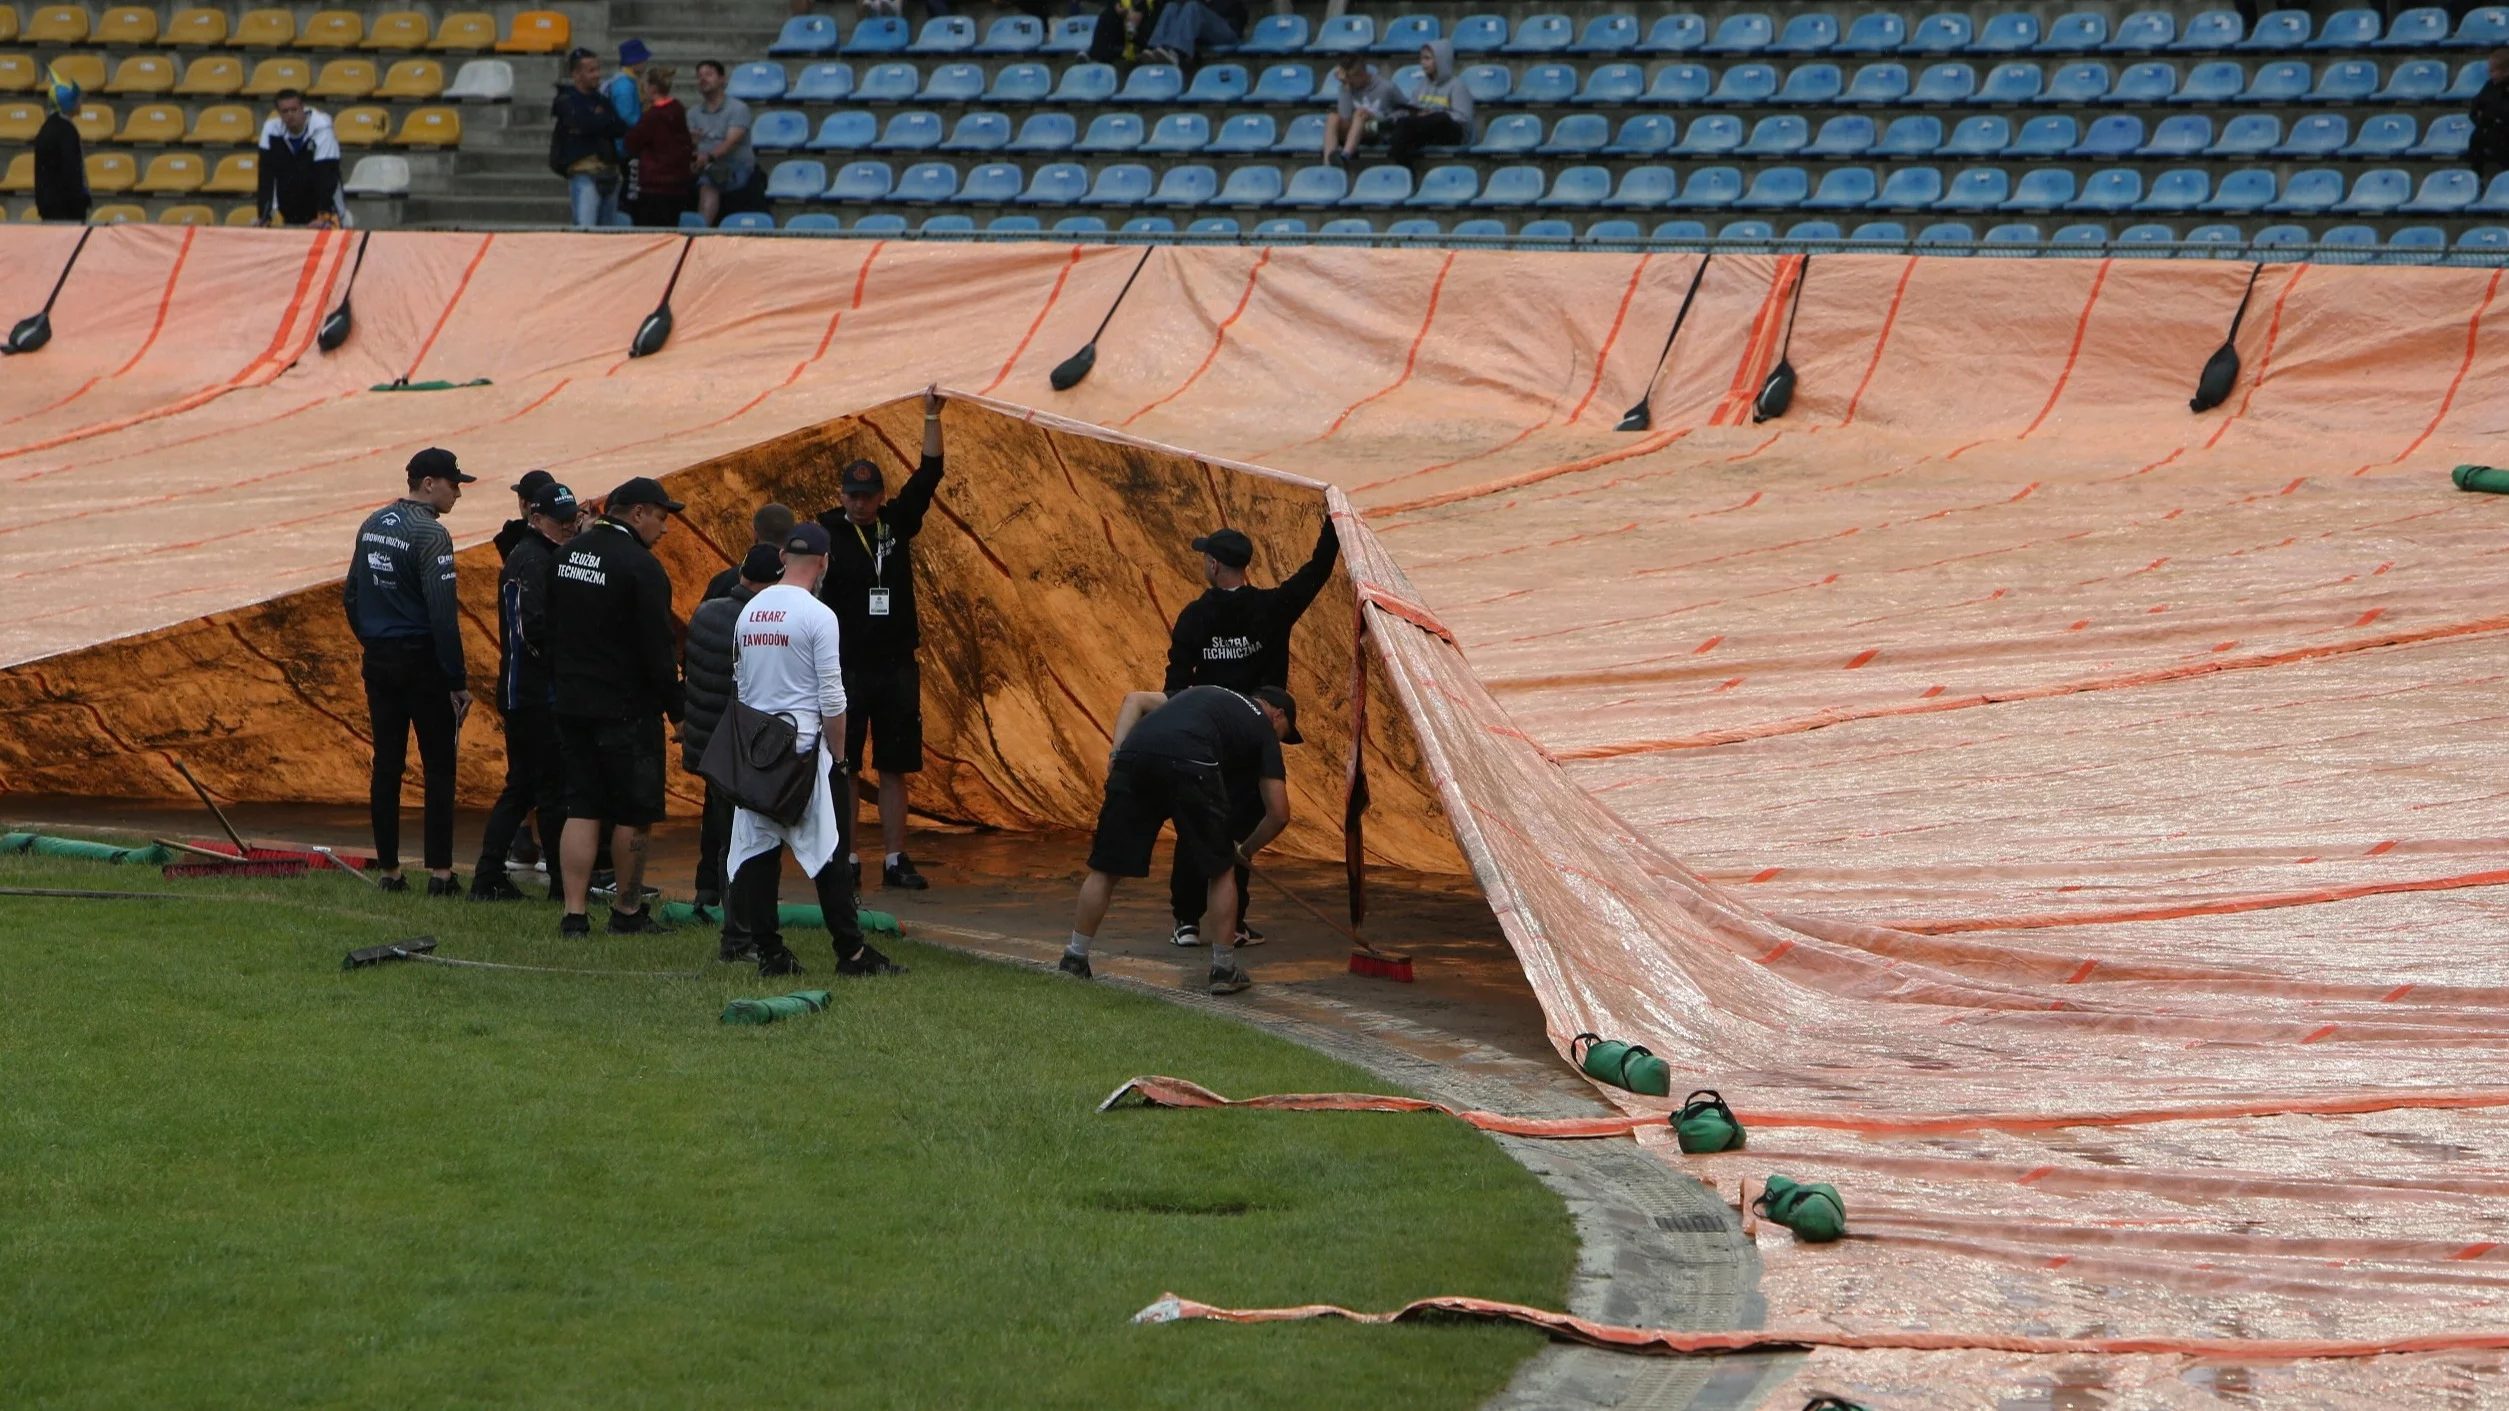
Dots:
pixel 1986 744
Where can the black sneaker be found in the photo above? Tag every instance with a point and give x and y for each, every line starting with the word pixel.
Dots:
pixel 639 922
pixel 1228 979
pixel 868 961
pixel 391 884
pixel 1076 966
pixel 1187 933
pixel 742 954
pixel 902 876
pixel 574 925
pixel 444 886
pixel 493 886
pixel 605 880
pixel 1248 936
pixel 781 962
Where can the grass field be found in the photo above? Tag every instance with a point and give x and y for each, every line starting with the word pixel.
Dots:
pixel 231 1174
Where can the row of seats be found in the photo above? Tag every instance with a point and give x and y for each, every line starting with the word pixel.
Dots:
pixel 2115 136
pixel 234 125
pixel 130 213
pixel 2379 192
pixel 2145 32
pixel 533 32
pixel 1684 84
pixel 223 76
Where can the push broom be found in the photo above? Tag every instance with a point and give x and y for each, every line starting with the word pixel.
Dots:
pixel 1367 959
pixel 1069 371
pixel 35 330
pixel 1642 416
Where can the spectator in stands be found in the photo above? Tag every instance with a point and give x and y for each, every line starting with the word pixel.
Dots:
pixel 1439 115
pixel 1367 101
pixel 60 158
pixel 626 91
pixel 300 167
pixel 720 123
pixel 770 525
pixel 1122 33
pixel 583 146
pixel 1182 27
pixel 2489 149
pixel 661 155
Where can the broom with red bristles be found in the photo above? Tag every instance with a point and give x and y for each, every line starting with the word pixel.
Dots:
pixel 1367 959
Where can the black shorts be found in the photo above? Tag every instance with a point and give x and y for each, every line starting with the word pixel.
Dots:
pixel 887 701
pixel 1143 792
pixel 613 768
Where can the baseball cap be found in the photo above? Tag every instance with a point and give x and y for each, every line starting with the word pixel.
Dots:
pixel 1228 546
pixel 533 482
pixel 762 564
pixel 861 477
pixel 808 539
pixel 643 490
pixel 553 500
pixel 633 51
pixel 437 462
pixel 1287 705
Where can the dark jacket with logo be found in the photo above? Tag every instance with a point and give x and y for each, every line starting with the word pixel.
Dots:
pixel 706 655
pixel 524 679
pixel 610 626
pixel 585 126
pixel 1239 637
pixel 880 554
pixel 400 584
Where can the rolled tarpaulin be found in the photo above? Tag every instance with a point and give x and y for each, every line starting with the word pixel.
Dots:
pixel 43 846
pixel 794 915
pixel 2489 479
pixel 775 1007
pixel 1624 1065
pixel 1814 1212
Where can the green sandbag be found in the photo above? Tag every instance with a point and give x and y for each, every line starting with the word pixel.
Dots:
pixel 2490 480
pixel 1831 1403
pixel 1706 1124
pixel 41 846
pixel 1625 1065
pixel 1813 1212
pixel 791 914
pixel 774 1007
pixel 437 385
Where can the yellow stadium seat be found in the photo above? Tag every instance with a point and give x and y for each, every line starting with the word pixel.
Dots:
pixel 469 31
pixel 430 127
pixel 361 127
pixel 243 215
pixel 127 24
pixel 332 29
pixel 85 70
pixel 412 78
pixel 223 125
pixel 94 122
pixel 30 214
pixel 212 76
pixel 397 29
pixel 8 24
pixel 344 78
pixel 143 73
pixel 237 175
pixel 111 172
pixel 187 215
pixel 271 75
pixel 537 32
pixel 19 120
pixel 264 29
pixel 18 73
pixel 20 177
pixel 154 124
pixel 197 29
pixel 173 174
pixel 56 24
pixel 124 213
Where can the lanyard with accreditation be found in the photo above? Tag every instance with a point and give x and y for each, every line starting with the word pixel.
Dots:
pixel 879 606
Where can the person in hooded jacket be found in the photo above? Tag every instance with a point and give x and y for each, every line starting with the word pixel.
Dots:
pixel 1237 636
pixel 708 654
pixel 1368 99
pixel 2488 148
pixel 535 777
pixel 60 158
pixel 1439 115
pixel 299 181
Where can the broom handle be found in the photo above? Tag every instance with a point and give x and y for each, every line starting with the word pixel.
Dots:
pixel 2253 272
pixel 232 836
pixel 67 266
pixel 1310 908
pixel 1803 272
pixel 1697 276
pixel 687 243
pixel 354 266
pixel 1119 294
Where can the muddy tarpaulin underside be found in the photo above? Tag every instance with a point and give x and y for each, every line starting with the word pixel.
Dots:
pixel 1988 741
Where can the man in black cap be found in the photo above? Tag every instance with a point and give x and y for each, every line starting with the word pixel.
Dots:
pixel 535 779
pixel 400 603
pixel 707 654
pixel 769 526
pixel 871 586
pixel 617 677
pixel 1236 635
pixel 517 529
pixel 1181 759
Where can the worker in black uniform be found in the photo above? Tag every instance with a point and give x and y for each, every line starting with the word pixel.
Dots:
pixel 871 587
pixel 617 677
pixel 535 779
pixel 1236 635
pixel 706 657
pixel 400 602
pixel 517 529
pixel 769 526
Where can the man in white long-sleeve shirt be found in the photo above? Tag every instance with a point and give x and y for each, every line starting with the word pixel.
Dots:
pixel 786 664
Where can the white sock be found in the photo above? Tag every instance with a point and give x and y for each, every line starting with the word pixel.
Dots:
pixel 1223 955
pixel 852 861
pixel 893 857
pixel 1079 946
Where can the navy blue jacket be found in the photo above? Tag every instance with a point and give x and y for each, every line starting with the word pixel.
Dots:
pixel 400 584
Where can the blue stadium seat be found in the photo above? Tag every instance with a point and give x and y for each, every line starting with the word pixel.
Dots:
pixel 822 83
pixel 778 131
pixel 1279 227
pixel 1745 33
pixel 1941 84
pixel 1446 187
pixel 2219 81
pixel 1152 83
pixel 2144 32
pixel 1940 34
pixel 1487 83
pixel 1379 187
pixel 1977 189
pixel 2495 198
pixel 1013 225
pixel 1542 34
pixel 926 182
pixel 2118 135
pixel 2014 234
pixel 1643 189
pixel 1056 184
pixel 2424 28
pixel 2377 192
pixel 1577 135
pixel 1509 135
pixel 2470 81
pixel 1604 231
pixel 1746 232
pixel 1782 135
pixel 805 34
pixel 1080 225
pixel 2177 190
pixel 2388 135
pixel 1276 34
pixel 1546 83
pixel 1844 189
pixel 1679 230
pixel 2080 240
pixel 1046 132
pixel 1879 232
pixel 947 225
pixel 1085 83
pixel 912 131
pixel 1578 188
pixel 2279 30
pixel 1809 85
pixel 1217 83
pixel 1316 186
pixel 1644 135
pixel 2346 81
pixel 886 35
pixel 945 34
pixel 2213 29
pixel 2152 81
pixel 1013 34
pixel 1511 186
pixel 2110 190
pixel 2244 190
pixel 1984 136
pixel 1123 184
pixel 2483 245
pixel 979 132
pixel 1484 230
pixel 1021 83
pixel 2179 135
pixel 2347 29
pixel 2078 33
pixel 1416 228
pixel 846 132
pixel 888 83
pixel 1615 84
pixel 2317 135
pixel 1251 186
pixel 2446 139
pixel 796 181
pixel 2010 33
pixel 2048 135
pixel 1813 33
pixel 2310 191
pixel 2282 81
pixel 1910 189
pixel 1675 34
pixel 1246 132
pixel 1344 226
pixel 1407 33
pixel 1304 134
pixel 1917 135
pixel 1345 34
pixel 812 220
pixel 1947 232
pixel 991 184
pixel 1713 135
pixel 2077 84
pixel 2010 83
pixel 1709 188
pixel 2215 242
pixel 1535 234
pixel 1283 83
pixel 861 181
pixel 1776 189
pixel 755 83
pixel 1876 32
pixel 2486 28
pixel 2444 193
pixel 2416 245
pixel 1479 34
pixel 2133 240
pixel 1877 83
pixel 1814 230
pixel 748 220
pixel 1179 133
pixel 2415 81
pixel 1070 35
pixel 1112 132
pixel 2041 189
pixel 953 83
pixel 1677 83
pixel 1847 135
pixel 2347 245
pixel 1193 185
pixel 2248 135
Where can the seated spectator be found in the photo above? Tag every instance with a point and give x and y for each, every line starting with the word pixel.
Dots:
pixel 1439 116
pixel 661 155
pixel 720 123
pixel 300 168
pixel 1180 28
pixel 1122 35
pixel 1366 102
pixel 583 144
pixel 2489 148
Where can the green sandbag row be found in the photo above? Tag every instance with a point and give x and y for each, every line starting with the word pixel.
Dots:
pixel 774 1007
pixel 1705 1124
pixel 794 915
pixel 2490 480
pixel 41 846
pixel 1814 1212
pixel 1624 1065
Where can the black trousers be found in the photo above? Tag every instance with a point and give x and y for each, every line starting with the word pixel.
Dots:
pixel 1188 894
pixel 406 690
pixel 714 846
pixel 535 783
pixel 1406 135
pixel 755 896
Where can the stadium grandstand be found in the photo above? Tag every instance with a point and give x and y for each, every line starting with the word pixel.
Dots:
pixel 2118 129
